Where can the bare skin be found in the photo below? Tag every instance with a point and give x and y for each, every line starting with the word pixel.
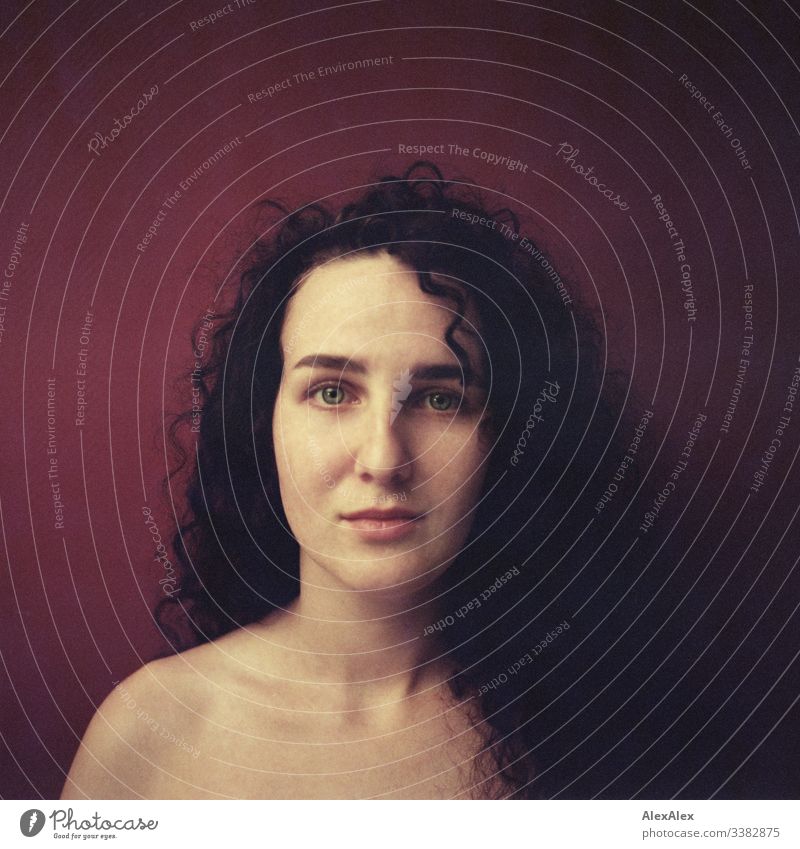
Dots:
pixel 340 695
pixel 192 727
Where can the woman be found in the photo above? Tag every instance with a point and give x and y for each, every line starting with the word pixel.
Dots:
pixel 375 458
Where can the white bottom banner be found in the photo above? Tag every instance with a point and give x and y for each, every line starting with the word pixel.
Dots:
pixel 551 824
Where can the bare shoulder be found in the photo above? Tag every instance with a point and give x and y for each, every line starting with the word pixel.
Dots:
pixel 125 746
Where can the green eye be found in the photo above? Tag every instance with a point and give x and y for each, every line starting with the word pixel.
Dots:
pixel 440 401
pixel 332 395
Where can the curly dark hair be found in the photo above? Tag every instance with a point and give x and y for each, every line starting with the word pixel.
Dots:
pixel 237 556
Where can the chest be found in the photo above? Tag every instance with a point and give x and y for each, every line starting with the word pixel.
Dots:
pixel 260 754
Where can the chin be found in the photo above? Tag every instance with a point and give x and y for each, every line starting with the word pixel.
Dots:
pixel 387 575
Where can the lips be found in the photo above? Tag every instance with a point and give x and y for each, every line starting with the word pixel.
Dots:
pixel 382 525
pixel 381 515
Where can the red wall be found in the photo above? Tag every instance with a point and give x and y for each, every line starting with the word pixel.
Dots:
pixel 509 79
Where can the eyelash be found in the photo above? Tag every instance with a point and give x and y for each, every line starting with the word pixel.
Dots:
pixel 460 404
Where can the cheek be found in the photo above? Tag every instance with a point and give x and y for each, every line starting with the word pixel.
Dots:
pixel 306 462
pixel 460 446
pixel 457 467
pixel 445 442
pixel 287 439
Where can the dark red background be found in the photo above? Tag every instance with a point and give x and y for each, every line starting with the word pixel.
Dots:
pixel 509 78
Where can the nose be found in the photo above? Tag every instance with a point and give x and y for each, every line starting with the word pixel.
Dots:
pixel 382 453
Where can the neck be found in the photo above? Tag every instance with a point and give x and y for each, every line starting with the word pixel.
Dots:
pixel 360 648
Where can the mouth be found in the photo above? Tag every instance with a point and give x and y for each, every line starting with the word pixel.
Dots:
pixel 383 525
pixel 381 515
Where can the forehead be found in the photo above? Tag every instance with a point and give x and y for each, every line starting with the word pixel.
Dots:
pixel 353 303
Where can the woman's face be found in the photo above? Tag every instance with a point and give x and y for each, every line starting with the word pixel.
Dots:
pixel 377 443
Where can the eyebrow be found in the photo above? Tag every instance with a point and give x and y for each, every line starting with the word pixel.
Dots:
pixel 428 371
